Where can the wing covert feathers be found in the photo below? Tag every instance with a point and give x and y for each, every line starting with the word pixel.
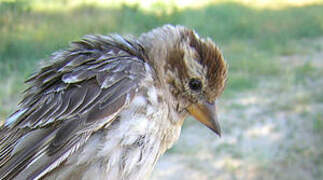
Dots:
pixel 82 90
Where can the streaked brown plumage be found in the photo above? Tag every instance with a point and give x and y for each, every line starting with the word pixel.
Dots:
pixel 109 106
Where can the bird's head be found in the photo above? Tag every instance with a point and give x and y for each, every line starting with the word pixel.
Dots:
pixel 193 71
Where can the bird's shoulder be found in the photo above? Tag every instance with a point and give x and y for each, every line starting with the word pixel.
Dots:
pixel 90 70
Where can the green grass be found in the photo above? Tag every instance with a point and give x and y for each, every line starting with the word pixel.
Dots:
pixel 305 73
pixel 318 123
pixel 249 37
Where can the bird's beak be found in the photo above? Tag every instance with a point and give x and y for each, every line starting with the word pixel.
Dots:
pixel 206 114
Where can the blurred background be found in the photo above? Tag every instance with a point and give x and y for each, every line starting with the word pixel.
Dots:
pixel 272 110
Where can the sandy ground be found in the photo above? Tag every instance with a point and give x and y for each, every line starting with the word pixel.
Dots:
pixel 268 133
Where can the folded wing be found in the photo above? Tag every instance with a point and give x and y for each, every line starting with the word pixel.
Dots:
pixel 83 90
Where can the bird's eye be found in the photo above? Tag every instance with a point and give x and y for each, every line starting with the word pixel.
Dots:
pixel 195 84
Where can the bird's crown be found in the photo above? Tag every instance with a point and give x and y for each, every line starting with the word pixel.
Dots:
pixel 193 65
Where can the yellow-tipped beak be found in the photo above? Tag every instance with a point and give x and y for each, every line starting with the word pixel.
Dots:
pixel 206 114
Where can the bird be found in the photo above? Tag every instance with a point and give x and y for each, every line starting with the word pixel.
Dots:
pixel 108 106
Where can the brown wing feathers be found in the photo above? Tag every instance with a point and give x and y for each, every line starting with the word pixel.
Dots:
pixel 92 80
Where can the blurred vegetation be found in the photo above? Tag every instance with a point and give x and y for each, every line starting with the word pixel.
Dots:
pixel 249 36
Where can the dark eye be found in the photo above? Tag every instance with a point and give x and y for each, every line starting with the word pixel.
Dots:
pixel 195 84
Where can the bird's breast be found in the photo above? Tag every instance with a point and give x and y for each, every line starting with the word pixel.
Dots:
pixel 130 147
